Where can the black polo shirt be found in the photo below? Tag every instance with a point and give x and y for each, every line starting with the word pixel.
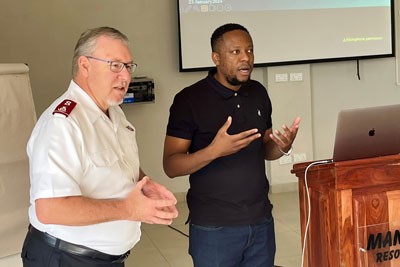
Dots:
pixel 231 190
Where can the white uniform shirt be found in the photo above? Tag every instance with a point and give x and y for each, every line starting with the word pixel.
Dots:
pixel 84 154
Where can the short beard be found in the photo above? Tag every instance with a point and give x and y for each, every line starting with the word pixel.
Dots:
pixel 114 103
pixel 234 81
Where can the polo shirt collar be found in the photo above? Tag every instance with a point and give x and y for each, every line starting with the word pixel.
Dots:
pixel 224 91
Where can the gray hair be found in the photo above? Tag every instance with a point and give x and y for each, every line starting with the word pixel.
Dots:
pixel 87 42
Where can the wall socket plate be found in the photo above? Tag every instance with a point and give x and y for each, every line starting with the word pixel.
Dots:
pixel 281 77
pixel 296 76
pixel 299 157
pixel 285 160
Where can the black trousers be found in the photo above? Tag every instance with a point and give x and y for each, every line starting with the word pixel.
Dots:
pixel 36 253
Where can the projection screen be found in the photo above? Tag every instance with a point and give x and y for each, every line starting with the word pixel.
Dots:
pixel 289 31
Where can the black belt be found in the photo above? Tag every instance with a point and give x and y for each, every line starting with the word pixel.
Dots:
pixel 75 249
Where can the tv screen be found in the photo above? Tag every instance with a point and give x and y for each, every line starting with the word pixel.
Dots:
pixel 289 31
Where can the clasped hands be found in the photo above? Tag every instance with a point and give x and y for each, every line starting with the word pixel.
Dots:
pixel 152 203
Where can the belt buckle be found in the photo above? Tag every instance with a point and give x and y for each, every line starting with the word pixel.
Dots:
pixel 122 258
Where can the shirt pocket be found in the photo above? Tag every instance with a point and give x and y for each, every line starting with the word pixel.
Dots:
pixel 104 158
pixel 127 138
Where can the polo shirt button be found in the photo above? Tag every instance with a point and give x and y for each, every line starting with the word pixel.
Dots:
pixel 238 106
pixel 235 94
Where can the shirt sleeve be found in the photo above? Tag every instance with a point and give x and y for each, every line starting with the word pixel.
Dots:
pixel 181 123
pixel 56 160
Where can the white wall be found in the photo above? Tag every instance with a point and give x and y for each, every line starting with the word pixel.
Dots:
pixel 290 99
pixel 43 33
pixel 11 261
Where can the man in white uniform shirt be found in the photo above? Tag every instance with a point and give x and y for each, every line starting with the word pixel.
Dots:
pixel 88 193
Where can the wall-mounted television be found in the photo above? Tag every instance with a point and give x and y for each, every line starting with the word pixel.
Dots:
pixel 288 32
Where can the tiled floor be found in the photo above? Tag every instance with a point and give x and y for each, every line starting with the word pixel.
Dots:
pixel 162 246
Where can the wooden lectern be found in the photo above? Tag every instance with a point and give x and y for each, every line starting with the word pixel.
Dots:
pixel 355 212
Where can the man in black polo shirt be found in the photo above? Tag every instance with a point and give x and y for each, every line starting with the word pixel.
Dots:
pixel 220 132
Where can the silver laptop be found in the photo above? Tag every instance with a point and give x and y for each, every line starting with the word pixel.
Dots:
pixel 367 132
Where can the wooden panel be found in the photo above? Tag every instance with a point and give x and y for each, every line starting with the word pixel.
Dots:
pixel 360 233
pixel 394 219
pixel 372 220
pixel 363 176
pixel 355 212
pixel 317 239
pixel 303 216
pixel 317 243
pixel 355 174
pixel 345 222
pixel 333 229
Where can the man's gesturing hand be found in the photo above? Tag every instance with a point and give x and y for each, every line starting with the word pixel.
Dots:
pixel 225 144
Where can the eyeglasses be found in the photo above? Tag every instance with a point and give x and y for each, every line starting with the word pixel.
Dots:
pixel 116 66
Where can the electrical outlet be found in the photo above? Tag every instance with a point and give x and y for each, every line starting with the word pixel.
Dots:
pixel 281 77
pixel 285 160
pixel 296 76
pixel 300 157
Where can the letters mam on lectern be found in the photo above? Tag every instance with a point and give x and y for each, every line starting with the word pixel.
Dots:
pixel 383 242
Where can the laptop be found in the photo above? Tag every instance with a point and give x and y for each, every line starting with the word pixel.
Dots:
pixel 367 132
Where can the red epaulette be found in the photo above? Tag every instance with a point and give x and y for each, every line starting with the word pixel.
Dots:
pixel 65 108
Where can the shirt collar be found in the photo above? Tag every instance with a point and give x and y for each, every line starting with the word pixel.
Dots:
pixel 91 108
pixel 224 91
